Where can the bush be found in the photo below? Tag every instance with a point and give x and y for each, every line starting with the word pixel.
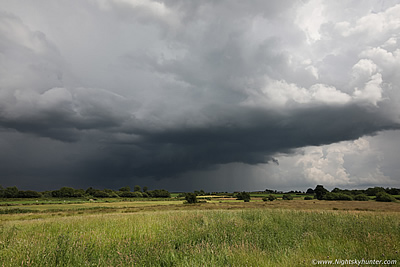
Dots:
pixel 243 196
pixel 308 198
pixel 269 198
pixel 384 197
pixel 287 197
pixel 28 194
pixel 126 194
pixel 373 191
pixel 100 194
pixel 11 192
pixel 161 193
pixel 68 192
pixel 337 196
pixel 361 197
pixel 191 198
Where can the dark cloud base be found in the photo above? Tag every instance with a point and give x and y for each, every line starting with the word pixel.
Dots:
pixel 250 136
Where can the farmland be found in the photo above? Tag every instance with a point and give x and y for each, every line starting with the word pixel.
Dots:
pixel 221 232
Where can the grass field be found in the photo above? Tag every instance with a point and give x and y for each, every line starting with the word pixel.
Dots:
pixel 218 233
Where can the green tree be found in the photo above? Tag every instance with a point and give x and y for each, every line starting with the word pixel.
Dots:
pixel 361 197
pixel 11 192
pixel 145 189
pixel 373 191
pixel 125 189
pixel 90 191
pixel 159 193
pixel 191 198
pixel 320 191
pixel 337 196
pixel 393 191
pixel 310 191
pixel 336 190
pixel 126 194
pixel 269 198
pixel 245 196
pixel 1 191
pixel 137 188
pixel 29 194
pixel 100 193
pixel 68 192
pixel 384 197
pixel 287 197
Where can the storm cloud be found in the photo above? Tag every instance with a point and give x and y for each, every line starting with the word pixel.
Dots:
pixel 114 92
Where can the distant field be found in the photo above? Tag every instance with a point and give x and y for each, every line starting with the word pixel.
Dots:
pixel 217 233
pixel 58 207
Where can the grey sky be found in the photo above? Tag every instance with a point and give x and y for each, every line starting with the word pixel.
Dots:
pixel 185 95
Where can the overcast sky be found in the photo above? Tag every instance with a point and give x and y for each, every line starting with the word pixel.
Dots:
pixel 189 95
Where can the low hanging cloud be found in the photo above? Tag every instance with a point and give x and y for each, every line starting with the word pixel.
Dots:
pixel 161 88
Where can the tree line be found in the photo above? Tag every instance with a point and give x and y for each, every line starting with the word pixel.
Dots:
pixel 380 194
pixel 69 192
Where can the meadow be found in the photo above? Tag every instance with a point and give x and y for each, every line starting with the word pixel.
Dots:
pixel 218 233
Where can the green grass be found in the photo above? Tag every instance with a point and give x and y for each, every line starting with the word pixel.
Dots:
pixel 256 237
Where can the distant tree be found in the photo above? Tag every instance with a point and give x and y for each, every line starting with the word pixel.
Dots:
pixel 393 191
pixel 79 193
pixel 308 198
pixel 384 197
pixel 68 192
pixel 11 192
pixel 138 194
pixel 269 198
pixel 126 194
pixel 29 194
pixel 357 192
pixel 145 189
pixel 191 198
pixel 373 191
pixel 90 191
pixel 159 193
pixel 337 196
pixel 137 188
pixel 183 194
pixel 110 192
pixel 310 191
pixel 361 197
pixel 100 193
pixel 320 191
pixel 125 189
pixel 245 196
pixel 287 197
pixel 47 194
pixel 1 191
pixel 336 190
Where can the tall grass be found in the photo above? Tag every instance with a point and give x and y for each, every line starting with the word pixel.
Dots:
pixel 200 238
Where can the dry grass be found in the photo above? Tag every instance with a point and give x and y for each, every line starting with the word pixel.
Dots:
pixel 27 212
